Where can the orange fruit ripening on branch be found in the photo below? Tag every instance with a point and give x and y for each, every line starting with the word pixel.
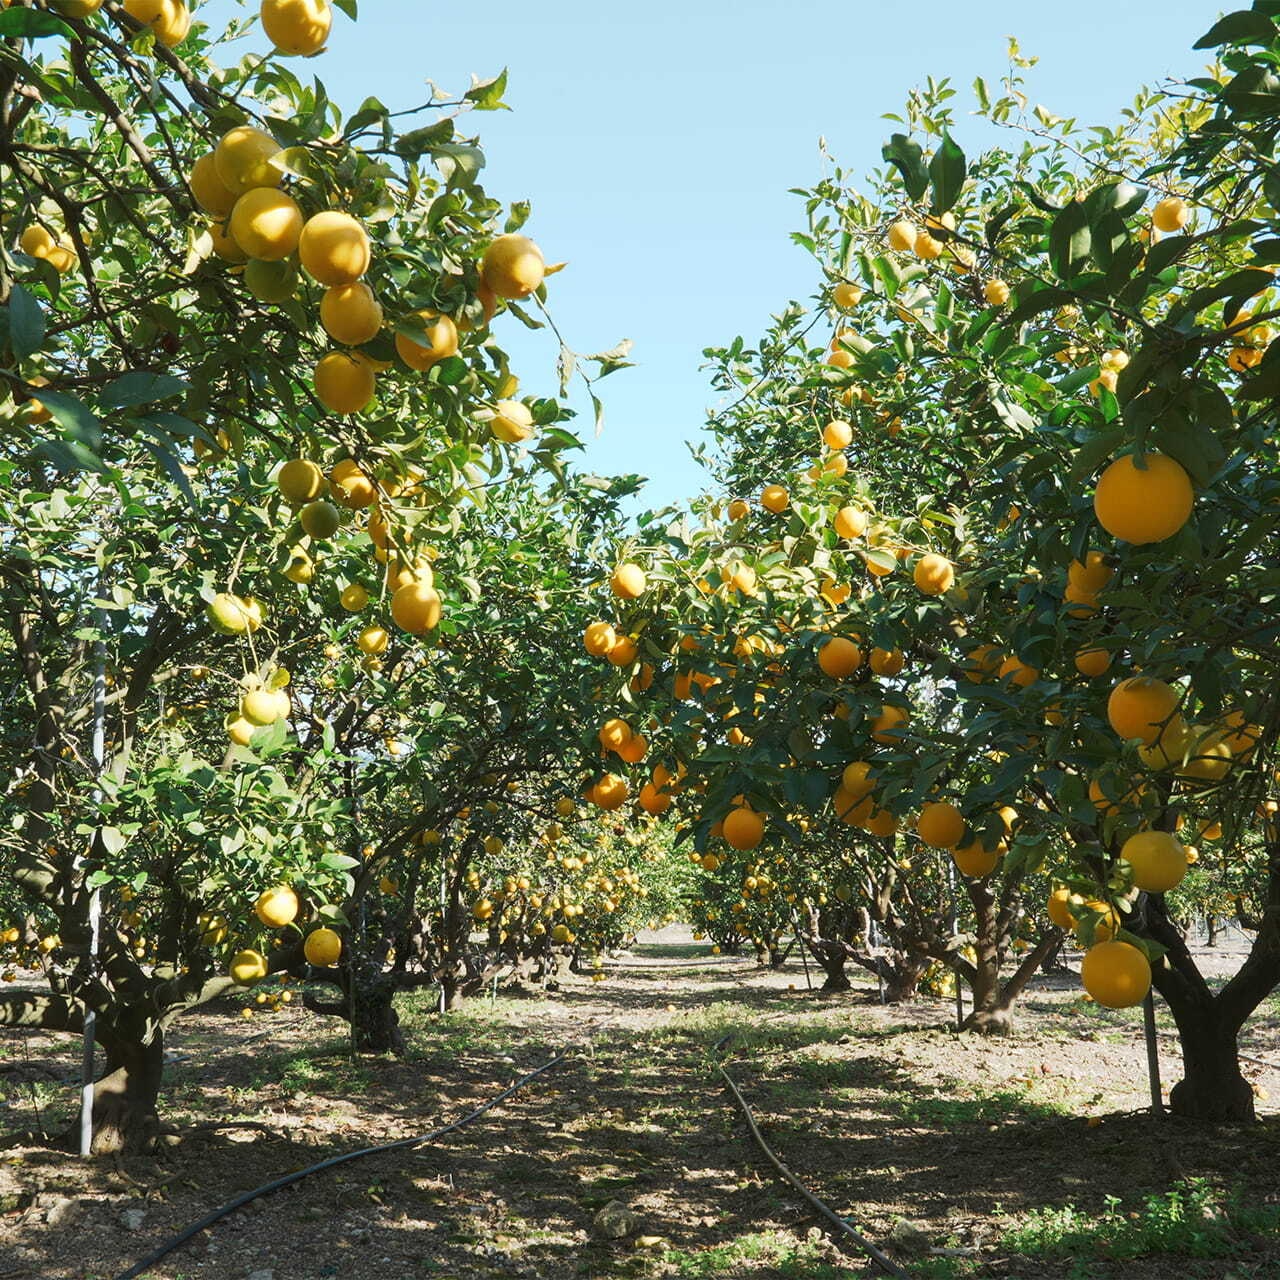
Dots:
pixel 1090 575
pixel 1060 908
pixel 299 481
pixel 277 907
pixel 976 859
pixel 941 824
pixel 266 224
pixel 351 486
pixel 846 296
pixel 297 28
pixel 242 160
pixel 441 333
pixel 208 190
pixel 839 657
pixel 416 608
pixel 628 582
pixel 743 828
pixel 345 381
pixel 351 314
pixel 1092 662
pixel 614 733
pixel 1115 974
pixel 247 966
pixel 512 421
pixel 837 434
pixel 322 948
pixel 850 523
pixel 738 509
pixel 334 248
pixel 1143 503
pixel 1171 214
pixel 1140 706
pixel 169 19
pixel 775 498
pixel 887 727
pixel 887 662
pixel 934 575
pixel 599 638
pixel 1018 671
pixel 903 235
pixel 512 267
pixel 609 792
pixel 1157 859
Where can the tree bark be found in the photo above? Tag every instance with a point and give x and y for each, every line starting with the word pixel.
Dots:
pixel 125 1100
pixel 1211 1087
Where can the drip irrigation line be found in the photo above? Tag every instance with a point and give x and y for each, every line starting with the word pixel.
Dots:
pixel 240 1201
pixel 843 1227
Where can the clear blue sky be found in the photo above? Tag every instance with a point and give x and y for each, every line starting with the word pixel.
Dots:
pixel 657 142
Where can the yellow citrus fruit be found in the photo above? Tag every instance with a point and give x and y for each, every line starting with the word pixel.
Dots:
pixel 1090 575
pixel 334 248
pixel 320 519
pixel 887 727
pixel 239 730
pixel 345 381
pixel 743 828
pixel 1018 671
pixel 299 481
pixel 169 19
pixel 277 907
pixel 837 434
pixel 243 158
pixel 1157 859
pixel 1092 662
pixel 1060 908
pixel 353 598
pixel 512 421
pixel 208 190
pixel 322 948
pixel 846 296
pixel 1140 706
pixel 996 292
pixel 224 244
pixel 1209 755
pixel 839 657
pixel 887 662
pixel 258 707
pixel 975 859
pixel 266 224
pixel 351 314
pixel 738 509
pixel 614 733
pixel 248 966
pixel 850 523
pixel 1143 504
pixel 903 235
pixel 940 824
pixel 628 582
pixel 775 498
pixel 599 638
pixel 1116 974
pixel 1170 214
pixel 36 241
pixel 934 575
pixel 270 281
pixel 297 28
pixel 228 615
pixel 512 266
pixel 373 640
pixel 416 608
pixel 351 486
pixel 609 792
pixel 441 333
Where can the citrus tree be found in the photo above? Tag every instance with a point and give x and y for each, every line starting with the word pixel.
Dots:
pixel 1009 490
pixel 243 334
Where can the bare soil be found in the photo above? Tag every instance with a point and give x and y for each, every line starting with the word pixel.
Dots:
pixel 935 1145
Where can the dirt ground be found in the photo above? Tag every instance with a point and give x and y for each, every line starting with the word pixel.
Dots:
pixel 1028 1158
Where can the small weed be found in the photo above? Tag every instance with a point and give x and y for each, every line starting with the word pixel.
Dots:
pixel 778 1250
pixel 981 1108
pixel 1191 1219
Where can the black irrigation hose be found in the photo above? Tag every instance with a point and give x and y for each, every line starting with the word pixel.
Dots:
pixel 885 1262
pixel 232 1205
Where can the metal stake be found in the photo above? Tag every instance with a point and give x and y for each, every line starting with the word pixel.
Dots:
pixel 1153 1054
pixel 99 747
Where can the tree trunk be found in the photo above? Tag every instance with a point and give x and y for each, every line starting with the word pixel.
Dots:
pixel 376 1024
pixel 1211 1087
pixel 902 977
pixel 125 1117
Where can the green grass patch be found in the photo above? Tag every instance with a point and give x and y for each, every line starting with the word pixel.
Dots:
pixel 979 1108
pixel 1191 1219
pixel 778 1250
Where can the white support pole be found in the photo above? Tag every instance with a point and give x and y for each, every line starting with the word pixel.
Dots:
pixel 95 897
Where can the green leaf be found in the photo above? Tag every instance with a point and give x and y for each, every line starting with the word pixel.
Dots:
pixel 26 323
pixel 349 7
pixel 459 163
pixel 908 159
pixel 1070 240
pixel 31 24
pixel 947 170
pixel 81 424
pixel 140 387
pixel 113 839
pixel 418 141
pixel 486 95
pixel 1243 27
